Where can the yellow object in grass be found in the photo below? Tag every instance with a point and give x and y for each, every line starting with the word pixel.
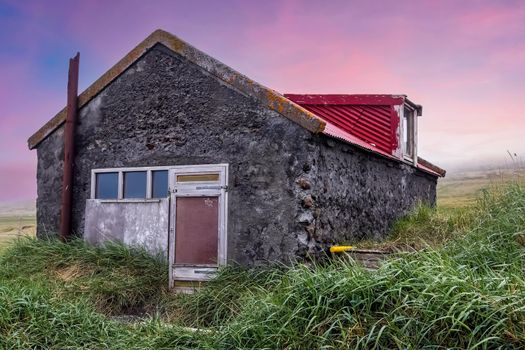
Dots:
pixel 340 248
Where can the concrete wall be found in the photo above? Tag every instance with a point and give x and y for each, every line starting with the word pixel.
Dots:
pixel 290 192
pixel 143 224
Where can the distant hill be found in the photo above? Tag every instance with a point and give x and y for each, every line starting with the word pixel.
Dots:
pixel 24 208
pixel 461 188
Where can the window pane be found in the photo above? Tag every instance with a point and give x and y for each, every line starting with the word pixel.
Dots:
pixel 106 186
pixel 411 133
pixel 405 130
pixel 197 177
pixel 159 179
pixel 135 184
pixel 408 132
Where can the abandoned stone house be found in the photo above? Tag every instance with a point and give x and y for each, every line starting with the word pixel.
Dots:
pixel 180 154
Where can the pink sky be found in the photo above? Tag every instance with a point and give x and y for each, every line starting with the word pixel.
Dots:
pixel 464 61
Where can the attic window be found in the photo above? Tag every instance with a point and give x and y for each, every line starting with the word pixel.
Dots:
pixel 409 133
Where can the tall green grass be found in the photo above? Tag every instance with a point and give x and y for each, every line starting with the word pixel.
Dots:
pixel 30 318
pixel 467 294
pixel 223 298
pixel 429 226
pixel 116 279
pixel 59 296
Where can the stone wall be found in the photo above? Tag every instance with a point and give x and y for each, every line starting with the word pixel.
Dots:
pixel 167 111
pixel 50 155
pixel 290 192
pixel 355 194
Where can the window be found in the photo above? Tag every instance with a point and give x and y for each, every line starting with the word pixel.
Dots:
pixel 107 186
pixel 159 183
pixel 146 182
pixel 135 184
pixel 409 133
pixel 130 183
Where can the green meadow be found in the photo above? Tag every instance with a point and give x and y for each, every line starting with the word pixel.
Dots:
pixel 461 189
pixel 14 226
pixel 462 288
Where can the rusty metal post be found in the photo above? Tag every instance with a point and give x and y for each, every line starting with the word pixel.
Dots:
pixel 69 146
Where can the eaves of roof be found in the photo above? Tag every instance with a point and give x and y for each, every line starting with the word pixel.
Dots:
pixel 338 133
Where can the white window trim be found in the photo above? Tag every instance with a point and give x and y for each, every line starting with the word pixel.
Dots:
pixel 120 172
pixel 401 151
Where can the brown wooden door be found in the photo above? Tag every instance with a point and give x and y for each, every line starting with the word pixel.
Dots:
pixel 196 231
pixel 198 238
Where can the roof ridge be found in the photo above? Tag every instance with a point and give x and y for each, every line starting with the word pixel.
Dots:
pixel 269 97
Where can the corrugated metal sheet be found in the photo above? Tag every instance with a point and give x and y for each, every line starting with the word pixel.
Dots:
pixel 366 121
pixel 334 131
pixel 372 124
pixel 338 133
pixel 371 118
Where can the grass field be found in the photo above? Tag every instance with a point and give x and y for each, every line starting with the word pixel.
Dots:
pixel 461 189
pixel 16 219
pixel 12 227
pixel 467 294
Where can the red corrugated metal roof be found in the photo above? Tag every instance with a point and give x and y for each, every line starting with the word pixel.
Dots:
pixel 334 131
pixel 356 99
pixel 338 133
pixel 371 118
pixel 367 121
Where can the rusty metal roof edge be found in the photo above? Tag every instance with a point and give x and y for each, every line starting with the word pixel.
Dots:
pixel 442 172
pixel 267 96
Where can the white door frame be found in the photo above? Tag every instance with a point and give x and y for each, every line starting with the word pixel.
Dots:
pixel 197 189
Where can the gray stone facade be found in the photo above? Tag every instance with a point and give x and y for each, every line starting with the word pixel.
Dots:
pixel 359 195
pixel 290 191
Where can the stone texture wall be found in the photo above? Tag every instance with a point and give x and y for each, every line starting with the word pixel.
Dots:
pixel 167 111
pixel 356 194
pixel 50 155
pixel 290 192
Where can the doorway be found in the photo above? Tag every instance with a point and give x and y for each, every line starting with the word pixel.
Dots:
pixel 197 237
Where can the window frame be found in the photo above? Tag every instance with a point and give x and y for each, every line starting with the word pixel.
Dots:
pixel 120 183
pixel 96 187
pixel 412 137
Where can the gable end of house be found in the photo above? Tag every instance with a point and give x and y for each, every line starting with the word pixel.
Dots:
pixel 236 80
